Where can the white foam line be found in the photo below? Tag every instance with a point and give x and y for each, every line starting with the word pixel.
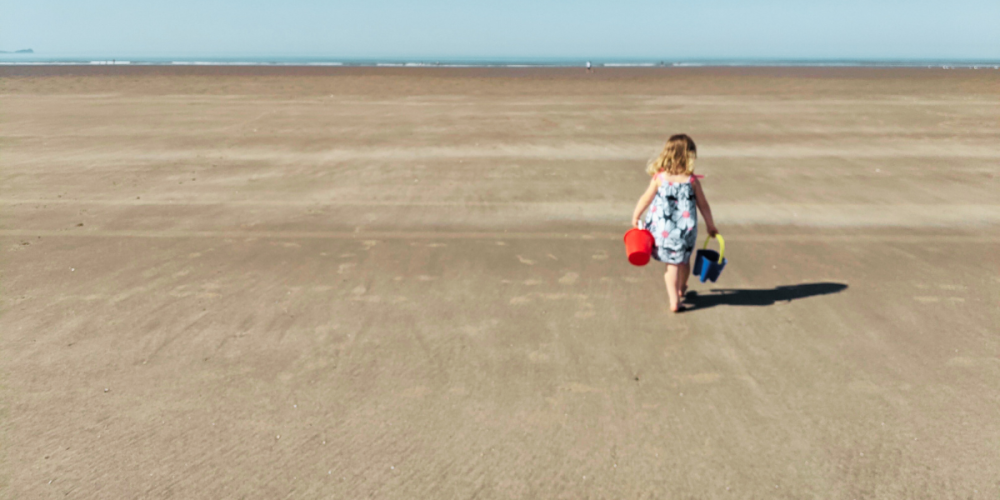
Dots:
pixel 541 65
pixel 216 63
pixel 34 63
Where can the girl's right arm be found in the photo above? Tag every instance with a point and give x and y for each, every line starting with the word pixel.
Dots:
pixel 644 201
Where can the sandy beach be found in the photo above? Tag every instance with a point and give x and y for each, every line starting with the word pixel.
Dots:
pixel 238 282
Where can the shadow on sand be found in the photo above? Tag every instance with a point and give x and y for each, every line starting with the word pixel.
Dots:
pixel 760 296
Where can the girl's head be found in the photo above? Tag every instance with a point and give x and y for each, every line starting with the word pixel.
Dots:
pixel 677 157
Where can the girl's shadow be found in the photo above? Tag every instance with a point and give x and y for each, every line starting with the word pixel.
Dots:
pixel 759 297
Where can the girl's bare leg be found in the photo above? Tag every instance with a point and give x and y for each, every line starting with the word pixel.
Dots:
pixel 683 271
pixel 670 278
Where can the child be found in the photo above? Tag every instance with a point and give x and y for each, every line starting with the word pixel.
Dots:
pixel 674 192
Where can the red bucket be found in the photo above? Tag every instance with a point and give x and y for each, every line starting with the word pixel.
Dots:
pixel 638 246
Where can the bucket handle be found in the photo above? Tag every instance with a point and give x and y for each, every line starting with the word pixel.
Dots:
pixel 722 246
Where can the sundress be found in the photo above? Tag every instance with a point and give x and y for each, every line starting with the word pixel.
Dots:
pixel 673 220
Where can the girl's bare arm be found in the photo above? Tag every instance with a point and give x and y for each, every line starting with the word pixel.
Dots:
pixel 644 201
pixel 706 211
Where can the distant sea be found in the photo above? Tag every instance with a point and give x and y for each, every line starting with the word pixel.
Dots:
pixel 10 59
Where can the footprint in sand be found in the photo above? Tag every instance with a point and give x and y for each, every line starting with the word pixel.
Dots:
pixel 360 292
pixel 569 279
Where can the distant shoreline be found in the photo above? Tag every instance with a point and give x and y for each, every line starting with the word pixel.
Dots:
pixel 30 59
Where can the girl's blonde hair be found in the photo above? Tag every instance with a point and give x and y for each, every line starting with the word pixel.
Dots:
pixel 677 157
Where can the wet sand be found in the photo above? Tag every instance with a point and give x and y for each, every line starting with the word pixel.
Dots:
pixel 410 283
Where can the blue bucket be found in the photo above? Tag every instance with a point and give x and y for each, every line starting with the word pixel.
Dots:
pixel 708 264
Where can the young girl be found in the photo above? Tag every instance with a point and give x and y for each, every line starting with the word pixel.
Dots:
pixel 674 192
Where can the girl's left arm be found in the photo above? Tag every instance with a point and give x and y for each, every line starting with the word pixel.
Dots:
pixel 706 211
pixel 644 201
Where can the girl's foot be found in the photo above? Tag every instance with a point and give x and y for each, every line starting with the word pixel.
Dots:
pixel 679 308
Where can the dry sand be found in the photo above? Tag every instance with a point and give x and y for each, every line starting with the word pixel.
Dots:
pixel 410 283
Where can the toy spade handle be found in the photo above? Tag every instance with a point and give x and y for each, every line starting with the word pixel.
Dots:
pixel 722 246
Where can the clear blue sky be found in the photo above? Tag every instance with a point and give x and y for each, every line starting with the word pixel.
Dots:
pixel 633 29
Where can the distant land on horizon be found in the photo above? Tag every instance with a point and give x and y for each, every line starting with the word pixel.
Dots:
pixel 22 51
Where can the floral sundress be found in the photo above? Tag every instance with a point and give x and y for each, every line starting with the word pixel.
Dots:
pixel 673 220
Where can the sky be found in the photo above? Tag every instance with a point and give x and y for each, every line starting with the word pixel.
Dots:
pixel 516 29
